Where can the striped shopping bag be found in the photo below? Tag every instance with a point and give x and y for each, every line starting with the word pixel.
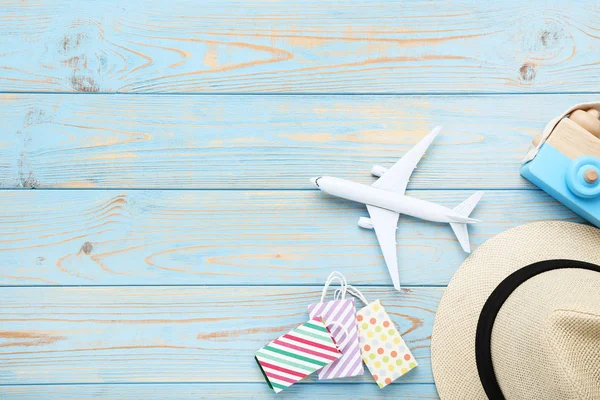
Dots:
pixel 340 318
pixel 297 354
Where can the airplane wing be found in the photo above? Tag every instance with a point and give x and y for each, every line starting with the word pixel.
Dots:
pixel 385 223
pixel 397 177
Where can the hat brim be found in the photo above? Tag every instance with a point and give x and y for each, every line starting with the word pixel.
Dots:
pixel 453 338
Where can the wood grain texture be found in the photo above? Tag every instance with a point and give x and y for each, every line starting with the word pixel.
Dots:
pixel 356 391
pixel 233 237
pixel 312 46
pixel 173 334
pixel 112 327
pixel 264 142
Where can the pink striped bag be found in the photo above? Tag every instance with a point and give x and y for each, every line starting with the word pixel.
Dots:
pixel 339 316
pixel 297 354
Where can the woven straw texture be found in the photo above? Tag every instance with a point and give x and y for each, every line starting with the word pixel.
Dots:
pixel 546 337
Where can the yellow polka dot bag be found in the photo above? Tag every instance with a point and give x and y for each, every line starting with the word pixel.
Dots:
pixel 383 349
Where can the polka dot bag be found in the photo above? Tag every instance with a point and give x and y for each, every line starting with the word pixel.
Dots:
pixel 383 349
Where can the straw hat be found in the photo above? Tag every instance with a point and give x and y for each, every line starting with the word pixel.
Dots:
pixel 521 317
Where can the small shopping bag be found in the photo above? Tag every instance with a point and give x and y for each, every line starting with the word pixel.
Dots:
pixel 383 350
pixel 297 354
pixel 339 316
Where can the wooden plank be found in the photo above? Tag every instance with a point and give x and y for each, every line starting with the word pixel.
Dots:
pixel 232 237
pixel 173 334
pixel 285 46
pixel 266 142
pixel 313 390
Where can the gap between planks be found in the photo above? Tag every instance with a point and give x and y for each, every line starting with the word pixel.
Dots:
pixel 325 94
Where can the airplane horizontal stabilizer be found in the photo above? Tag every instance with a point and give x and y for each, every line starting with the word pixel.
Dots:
pixel 464 209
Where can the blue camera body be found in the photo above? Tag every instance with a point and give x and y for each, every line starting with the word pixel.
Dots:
pixel 566 166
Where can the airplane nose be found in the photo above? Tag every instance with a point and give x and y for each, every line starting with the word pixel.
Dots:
pixel 314 181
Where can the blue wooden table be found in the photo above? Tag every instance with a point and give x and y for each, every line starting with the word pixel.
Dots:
pixel 157 223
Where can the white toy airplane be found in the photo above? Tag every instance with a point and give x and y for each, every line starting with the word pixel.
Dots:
pixel 385 201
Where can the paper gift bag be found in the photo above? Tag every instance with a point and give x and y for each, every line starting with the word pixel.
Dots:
pixel 297 354
pixel 383 350
pixel 340 318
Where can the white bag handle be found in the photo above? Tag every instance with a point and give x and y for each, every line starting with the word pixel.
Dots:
pixel 353 291
pixel 343 328
pixel 335 275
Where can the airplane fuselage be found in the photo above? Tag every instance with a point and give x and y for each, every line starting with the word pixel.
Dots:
pixel 388 200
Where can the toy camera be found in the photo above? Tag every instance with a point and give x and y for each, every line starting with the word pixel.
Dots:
pixel 564 160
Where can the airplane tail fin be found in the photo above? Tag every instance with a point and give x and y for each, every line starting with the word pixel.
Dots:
pixel 464 209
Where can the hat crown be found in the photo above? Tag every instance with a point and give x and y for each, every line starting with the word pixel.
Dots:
pixel 574 337
pixel 545 339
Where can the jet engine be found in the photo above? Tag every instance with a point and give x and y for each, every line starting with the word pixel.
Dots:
pixel 378 170
pixel 364 222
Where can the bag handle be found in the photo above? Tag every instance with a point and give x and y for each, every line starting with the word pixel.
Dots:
pixel 353 291
pixel 343 328
pixel 335 275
